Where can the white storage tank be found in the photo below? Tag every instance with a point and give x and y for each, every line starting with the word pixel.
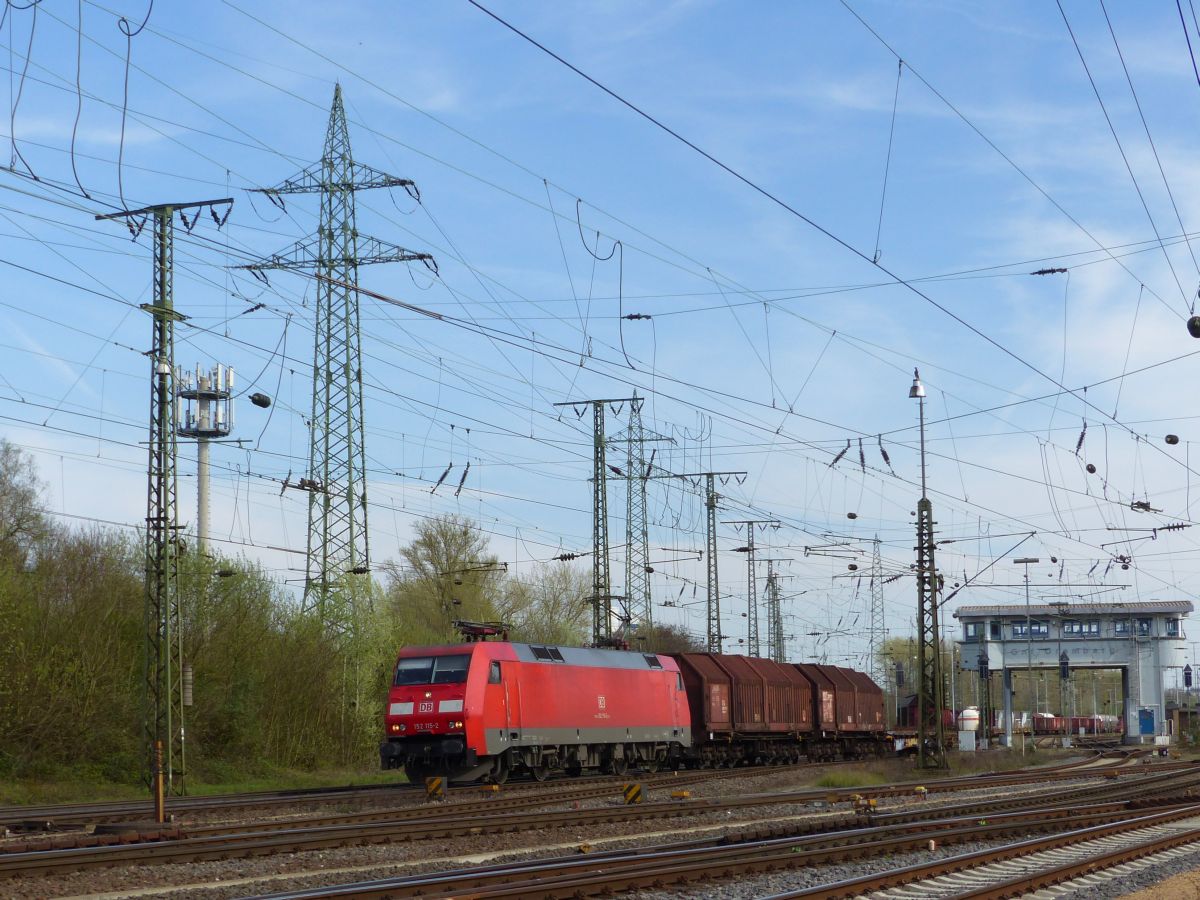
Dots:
pixel 968 719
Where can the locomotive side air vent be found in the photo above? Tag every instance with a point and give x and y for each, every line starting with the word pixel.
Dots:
pixel 541 652
pixel 556 654
pixel 652 661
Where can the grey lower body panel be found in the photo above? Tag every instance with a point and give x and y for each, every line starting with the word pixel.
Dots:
pixel 498 740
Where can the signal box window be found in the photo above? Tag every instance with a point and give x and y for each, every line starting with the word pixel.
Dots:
pixel 1172 628
pixel 1121 626
pixel 1143 626
pixel 432 670
pixel 971 631
pixel 494 673
pixel 994 630
pixel 1075 628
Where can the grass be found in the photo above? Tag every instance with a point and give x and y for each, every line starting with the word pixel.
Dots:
pixel 889 771
pixel 844 778
pixel 65 789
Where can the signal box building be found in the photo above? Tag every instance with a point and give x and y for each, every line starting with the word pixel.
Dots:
pixel 1142 640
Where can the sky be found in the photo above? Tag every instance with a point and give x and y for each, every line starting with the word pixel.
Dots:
pixel 819 198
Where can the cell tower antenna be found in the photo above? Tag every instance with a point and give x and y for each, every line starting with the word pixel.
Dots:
pixel 338 549
pixel 205 411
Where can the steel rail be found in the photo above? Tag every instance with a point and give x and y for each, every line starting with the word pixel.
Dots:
pixel 448 823
pixel 854 887
pixel 570 877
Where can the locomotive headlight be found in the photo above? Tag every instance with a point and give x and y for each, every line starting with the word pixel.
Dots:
pixel 396 727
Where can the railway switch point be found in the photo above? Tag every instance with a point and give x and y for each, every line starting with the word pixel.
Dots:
pixel 435 788
pixel 632 792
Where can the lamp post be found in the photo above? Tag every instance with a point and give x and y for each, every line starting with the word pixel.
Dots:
pixel 1027 561
pixel 931 744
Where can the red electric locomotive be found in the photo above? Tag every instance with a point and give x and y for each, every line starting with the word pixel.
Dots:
pixel 486 709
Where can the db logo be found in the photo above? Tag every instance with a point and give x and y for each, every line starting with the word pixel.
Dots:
pixel 425 707
pixel 600 702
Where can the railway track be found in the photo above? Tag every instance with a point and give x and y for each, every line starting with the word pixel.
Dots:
pixel 691 862
pixel 46 817
pixel 76 815
pixel 486 817
pixel 1021 867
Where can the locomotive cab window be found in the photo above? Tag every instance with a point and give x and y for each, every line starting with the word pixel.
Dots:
pixel 431 670
pixel 494 673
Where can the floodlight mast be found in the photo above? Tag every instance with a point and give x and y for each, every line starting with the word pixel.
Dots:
pixel 931 742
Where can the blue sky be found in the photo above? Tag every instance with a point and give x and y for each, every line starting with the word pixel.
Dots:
pixel 769 344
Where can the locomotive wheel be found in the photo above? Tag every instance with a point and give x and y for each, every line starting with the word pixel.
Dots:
pixel 651 766
pixel 618 765
pixel 500 769
pixel 573 769
pixel 540 772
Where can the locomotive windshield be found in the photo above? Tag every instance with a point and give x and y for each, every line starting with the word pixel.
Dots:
pixel 432 670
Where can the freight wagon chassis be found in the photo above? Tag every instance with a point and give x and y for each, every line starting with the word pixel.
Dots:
pixel 733 750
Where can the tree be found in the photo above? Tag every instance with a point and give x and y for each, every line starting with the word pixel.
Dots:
pixel 666 639
pixel 449 575
pixel 552 606
pixel 22 523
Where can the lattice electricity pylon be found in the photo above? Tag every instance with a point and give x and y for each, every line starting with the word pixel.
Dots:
pixel 776 645
pixel 162 671
pixel 602 597
pixel 931 749
pixel 637 532
pixel 753 645
pixel 931 739
pixel 878 631
pixel 715 638
pixel 338 547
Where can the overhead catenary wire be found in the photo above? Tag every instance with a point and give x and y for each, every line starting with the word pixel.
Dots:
pixel 804 218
